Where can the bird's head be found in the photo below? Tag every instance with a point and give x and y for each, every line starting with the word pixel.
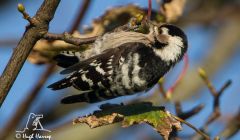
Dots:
pixel 170 43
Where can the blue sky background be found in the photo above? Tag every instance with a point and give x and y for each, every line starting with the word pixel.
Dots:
pixel 12 25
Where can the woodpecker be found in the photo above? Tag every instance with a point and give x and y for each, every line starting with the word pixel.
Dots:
pixel 122 63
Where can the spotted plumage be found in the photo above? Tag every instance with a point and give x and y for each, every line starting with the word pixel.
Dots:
pixel 123 63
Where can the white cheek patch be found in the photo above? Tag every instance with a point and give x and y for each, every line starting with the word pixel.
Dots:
pixel 172 51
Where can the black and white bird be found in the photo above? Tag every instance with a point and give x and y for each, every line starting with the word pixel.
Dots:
pixel 123 63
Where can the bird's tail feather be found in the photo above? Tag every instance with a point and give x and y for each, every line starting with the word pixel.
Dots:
pixel 64 83
pixel 89 97
pixel 74 99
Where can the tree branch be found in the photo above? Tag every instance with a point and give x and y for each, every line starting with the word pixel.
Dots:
pixel 216 104
pixel 194 128
pixel 32 34
pixel 187 114
pixel 69 38
pixel 23 107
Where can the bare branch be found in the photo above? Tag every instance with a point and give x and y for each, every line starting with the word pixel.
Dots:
pixel 21 110
pixel 206 80
pixel 187 114
pixel 216 104
pixel 69 38
pixel 184 115
pixel 216 95
pixel 191 126
pixel 32 34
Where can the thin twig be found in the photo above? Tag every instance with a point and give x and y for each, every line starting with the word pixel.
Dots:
pixel 32 34
pixel 216 104
pixel 206 80
pixel 224 87
pixel 187 114
pixel 184 115
pixel 191 126
pixel 178 108
pixel 216 95
pixel 26 16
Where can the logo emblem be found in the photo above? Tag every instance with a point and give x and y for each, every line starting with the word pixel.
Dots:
pixel 34 129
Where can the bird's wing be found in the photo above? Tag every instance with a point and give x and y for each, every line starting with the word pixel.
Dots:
pixel 93 73
pixel 94 76
pixel 103 58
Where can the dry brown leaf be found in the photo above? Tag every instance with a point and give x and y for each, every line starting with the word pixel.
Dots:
pixel 160 119
pixel 172 9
